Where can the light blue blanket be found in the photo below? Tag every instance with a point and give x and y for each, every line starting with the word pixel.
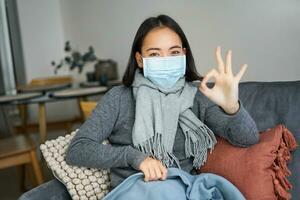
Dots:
pixel 179 185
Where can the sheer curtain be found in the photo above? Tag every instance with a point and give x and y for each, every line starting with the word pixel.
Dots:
pixel 7 69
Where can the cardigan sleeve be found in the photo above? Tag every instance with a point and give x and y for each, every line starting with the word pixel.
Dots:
pixel 86 148
pixel 239 128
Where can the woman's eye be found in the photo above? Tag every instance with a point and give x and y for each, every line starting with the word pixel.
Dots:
pixel 175 52
pixel 154 54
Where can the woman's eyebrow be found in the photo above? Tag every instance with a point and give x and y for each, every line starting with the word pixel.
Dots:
pixel 153 49
pixel 174 47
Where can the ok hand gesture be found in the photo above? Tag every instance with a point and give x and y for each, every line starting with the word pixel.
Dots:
pixel 225 91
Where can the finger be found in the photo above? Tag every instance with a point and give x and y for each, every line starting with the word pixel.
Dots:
pixel 164 172
pixel 241 72
pixel 211 74
pixel 158 172
pixel 228 68
pixel 206 91
pixel 147 175
pixel 203 87
pixel 220 60
pixel 152 173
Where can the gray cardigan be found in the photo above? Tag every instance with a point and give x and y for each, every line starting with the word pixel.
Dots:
pixel 113 118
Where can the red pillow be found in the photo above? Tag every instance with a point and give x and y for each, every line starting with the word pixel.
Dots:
pixel 259 171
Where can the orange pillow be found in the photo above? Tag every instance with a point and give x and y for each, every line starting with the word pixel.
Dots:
pixel 259 171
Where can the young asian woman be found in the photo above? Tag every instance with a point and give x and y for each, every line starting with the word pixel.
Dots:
pixel 160 117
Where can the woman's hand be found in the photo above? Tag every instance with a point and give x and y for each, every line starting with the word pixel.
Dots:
pixel 153 169
pixel 225 91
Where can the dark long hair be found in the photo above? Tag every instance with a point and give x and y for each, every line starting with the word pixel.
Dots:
pixel 149 24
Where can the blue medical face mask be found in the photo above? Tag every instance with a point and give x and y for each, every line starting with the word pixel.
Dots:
pixel 164 71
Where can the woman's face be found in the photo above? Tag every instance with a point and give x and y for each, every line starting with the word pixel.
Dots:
pixel 160 42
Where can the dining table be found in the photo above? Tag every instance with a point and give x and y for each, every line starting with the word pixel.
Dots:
pixel 43 95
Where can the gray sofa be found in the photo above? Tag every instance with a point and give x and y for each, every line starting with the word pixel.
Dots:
pixel 269 103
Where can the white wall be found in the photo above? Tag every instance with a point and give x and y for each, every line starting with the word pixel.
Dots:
pixel 262 33
pixel 42 36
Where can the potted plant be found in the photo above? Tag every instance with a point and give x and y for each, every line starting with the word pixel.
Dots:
pixel 86 66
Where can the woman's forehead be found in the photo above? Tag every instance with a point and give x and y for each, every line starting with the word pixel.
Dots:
pixel 162 38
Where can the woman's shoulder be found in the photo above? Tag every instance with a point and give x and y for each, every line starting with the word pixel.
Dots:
pixel 117 92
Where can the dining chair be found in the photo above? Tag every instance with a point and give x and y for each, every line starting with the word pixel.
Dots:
pixel 18 151
pixel 87 107
pixel 51 80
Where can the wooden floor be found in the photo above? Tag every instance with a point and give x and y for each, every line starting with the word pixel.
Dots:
pixel 9 182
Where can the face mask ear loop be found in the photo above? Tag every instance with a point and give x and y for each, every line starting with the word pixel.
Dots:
pixel 144 67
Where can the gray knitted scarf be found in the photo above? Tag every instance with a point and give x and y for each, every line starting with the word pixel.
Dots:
pixel 158 113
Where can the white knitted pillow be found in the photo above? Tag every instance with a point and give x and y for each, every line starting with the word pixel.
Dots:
pixel 81 182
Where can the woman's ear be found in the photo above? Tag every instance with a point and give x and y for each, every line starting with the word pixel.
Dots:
pixel 139 59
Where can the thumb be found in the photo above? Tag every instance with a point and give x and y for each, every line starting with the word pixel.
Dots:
pixel 204 89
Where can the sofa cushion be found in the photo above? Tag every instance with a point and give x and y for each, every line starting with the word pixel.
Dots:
pixel 260 171
pixel 271 103
pixel 81 182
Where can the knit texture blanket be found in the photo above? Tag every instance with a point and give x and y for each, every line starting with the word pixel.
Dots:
pixel 178 185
